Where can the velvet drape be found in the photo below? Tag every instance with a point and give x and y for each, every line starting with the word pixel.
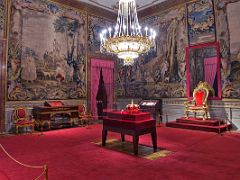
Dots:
pixel 107 71
pixel 210 68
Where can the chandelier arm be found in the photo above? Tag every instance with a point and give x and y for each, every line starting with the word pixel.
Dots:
pixel 122 23
pixel 127 10
pixel 118 22
pixel 139 30
pixel 135 14
pixel 130 21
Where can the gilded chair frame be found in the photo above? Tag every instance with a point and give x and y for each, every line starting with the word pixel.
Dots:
pixel 192 107
pixel 84 116
pixel 29 122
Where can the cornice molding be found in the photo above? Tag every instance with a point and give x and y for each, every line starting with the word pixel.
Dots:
pixel 90 9
pixel 160 7
pixel 114 7
pixel 98 11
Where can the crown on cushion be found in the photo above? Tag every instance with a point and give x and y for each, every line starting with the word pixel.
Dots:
pixel 133 108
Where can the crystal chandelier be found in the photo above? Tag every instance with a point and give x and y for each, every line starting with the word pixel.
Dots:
pixel 127 40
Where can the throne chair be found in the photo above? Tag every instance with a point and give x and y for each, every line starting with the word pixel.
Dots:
pixel 199 102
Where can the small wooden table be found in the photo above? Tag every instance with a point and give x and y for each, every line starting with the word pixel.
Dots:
pixel 134 128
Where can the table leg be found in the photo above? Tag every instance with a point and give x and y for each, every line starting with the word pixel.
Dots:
pixel 123 137
pixel 42 124
pixel 16 129
pixel 49 124
pixel 154 139
pixel 104 137
pixel 135 144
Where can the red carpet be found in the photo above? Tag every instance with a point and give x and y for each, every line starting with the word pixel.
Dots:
pixel 71 154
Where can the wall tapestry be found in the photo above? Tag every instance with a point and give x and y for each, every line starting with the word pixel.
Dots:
pixel 95 27
pixel 201 22
pixel 227 13
pixel 47 51
pixel 233 15
pixel 160 73
pixel 2 17
pixel 231 83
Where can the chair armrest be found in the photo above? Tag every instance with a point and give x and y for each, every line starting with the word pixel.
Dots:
pixel 186 103
pixel 191 102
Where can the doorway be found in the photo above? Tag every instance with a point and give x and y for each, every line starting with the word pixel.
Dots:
pixel 107 67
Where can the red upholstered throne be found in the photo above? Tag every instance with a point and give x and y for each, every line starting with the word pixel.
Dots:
pixel 199 102
pixel 22 119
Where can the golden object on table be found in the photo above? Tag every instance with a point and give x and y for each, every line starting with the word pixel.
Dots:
pixel 132 108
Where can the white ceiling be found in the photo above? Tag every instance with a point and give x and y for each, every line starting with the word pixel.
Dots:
pixel 112 4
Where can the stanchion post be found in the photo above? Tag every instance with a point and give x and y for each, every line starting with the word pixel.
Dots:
pixel 227 126
pixel 166 117
pixel 159 120
pixel 230 113
pixel 46 171
pixel 219 129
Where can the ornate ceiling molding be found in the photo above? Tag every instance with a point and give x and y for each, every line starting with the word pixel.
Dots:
pixel 160 7
pixel 89 8
pixel 113 5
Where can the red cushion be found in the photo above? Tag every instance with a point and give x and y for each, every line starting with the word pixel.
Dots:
pixel 81 109
pixel 55 103
pixel 24 122
pixel 196 108
pixel 20 113
pixel 199 97
pixel 126 115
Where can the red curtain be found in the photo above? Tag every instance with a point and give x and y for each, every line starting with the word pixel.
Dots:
pixel 210 67
pixel 107 71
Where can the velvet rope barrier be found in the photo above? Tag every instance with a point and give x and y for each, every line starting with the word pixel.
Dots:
pixel 44 167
